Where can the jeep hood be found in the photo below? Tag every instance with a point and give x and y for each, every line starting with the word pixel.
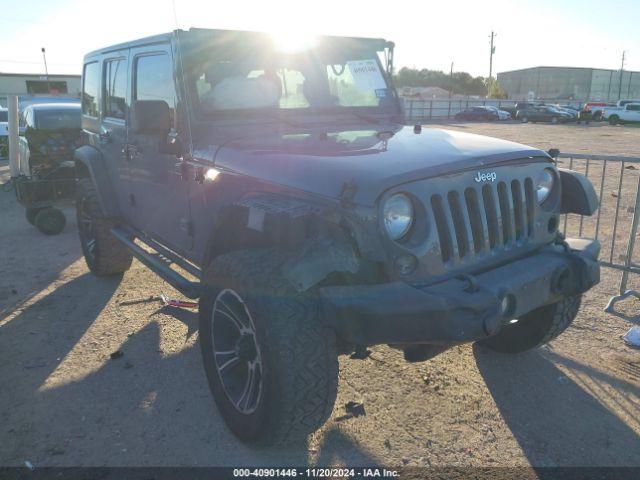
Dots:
pixel 371 160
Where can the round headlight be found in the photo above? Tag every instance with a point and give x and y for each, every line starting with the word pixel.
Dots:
pixel 397 215
pixel 544 185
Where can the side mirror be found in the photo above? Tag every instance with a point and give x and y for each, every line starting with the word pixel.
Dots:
pixel 150 116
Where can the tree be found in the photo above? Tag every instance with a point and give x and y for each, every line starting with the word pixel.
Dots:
pixel 461 83
pixel 496 91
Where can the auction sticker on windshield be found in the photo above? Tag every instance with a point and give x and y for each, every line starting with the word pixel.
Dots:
pixel 366 75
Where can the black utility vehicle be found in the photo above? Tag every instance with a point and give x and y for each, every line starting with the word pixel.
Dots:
pixel 282 190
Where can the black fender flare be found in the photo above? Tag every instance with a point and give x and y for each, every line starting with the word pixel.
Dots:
pixel 90 163
pixel 578 194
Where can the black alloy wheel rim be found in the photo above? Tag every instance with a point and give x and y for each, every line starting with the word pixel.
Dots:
pixel 236 352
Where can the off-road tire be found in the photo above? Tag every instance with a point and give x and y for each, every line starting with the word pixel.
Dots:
pixel 298 355
pixel 30 214
pixel 108 256
pixel 535 328
pixel 50 221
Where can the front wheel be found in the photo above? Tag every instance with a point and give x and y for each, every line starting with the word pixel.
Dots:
pixel 271 366
pixel 104 254
pixel 535 328
pixel 613 120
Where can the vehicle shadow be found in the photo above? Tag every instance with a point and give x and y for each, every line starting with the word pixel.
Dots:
pixel 71 404
pixel 35 342
pixel 556 421
pixel 30 259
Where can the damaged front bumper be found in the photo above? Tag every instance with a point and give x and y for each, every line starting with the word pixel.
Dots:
pixel 463 309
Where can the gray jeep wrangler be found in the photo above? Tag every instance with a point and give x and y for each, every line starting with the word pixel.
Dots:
pixel 280 187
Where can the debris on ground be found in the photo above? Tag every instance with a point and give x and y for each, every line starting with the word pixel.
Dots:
pixel 117 354
pixel 355 409
pixel 630 167
pixel 632 337
pixel 137 301
pixel 173 302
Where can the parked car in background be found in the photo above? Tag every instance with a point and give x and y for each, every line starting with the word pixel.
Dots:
pixel 502 114
pixel 4 133
pixel 574 112
pixel 481 113
pixel 618 107
pixel 543 113
pixel 513 109
pixel 595 109
pixel 629 114
pixel 49 133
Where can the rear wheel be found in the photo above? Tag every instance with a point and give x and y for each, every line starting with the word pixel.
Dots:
pixel 536 327
pixel 271 366
pixel 104 254
pixel 50 221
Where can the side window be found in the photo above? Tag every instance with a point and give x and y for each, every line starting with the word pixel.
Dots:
pixel 154 80
pixel 90 87
pixel 115 88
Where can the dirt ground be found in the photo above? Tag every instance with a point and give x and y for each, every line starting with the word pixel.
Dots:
pixel 64 402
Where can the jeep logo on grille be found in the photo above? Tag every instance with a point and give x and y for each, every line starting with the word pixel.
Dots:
pixel 486 177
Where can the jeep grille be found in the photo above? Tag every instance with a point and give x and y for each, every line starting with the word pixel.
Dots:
pixel 484 219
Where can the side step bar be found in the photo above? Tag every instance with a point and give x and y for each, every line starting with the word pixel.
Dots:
pixel 161 263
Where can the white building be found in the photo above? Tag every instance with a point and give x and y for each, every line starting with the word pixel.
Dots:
pixel 34 84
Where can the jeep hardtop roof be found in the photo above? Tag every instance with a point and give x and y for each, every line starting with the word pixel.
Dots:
pixel 231 36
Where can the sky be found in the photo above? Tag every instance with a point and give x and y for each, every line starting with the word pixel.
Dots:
pixel 580 33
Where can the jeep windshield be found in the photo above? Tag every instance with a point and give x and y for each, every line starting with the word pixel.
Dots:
pixel 231 82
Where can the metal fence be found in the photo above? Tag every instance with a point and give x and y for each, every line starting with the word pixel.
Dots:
pixel 617 182
pixel 440 109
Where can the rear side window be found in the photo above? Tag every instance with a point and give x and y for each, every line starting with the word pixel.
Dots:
pixel 115 88
pixel 90 88
pixel 154 79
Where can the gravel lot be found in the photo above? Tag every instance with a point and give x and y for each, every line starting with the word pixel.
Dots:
pixel 64 402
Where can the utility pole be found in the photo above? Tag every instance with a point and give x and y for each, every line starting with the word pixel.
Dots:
pixel 46 70
pixel 621 72
pixel 492 50
pixel 451 81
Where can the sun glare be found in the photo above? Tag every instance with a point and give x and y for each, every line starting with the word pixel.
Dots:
pixel 293 42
